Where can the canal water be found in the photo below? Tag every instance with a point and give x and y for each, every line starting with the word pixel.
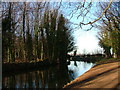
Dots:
pixel 53 77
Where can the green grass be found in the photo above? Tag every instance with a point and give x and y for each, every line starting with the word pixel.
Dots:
pixel 107 60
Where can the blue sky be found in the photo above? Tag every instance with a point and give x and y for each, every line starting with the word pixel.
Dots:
pixel 86 41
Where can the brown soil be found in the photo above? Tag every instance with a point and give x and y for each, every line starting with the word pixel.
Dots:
pixel 101 76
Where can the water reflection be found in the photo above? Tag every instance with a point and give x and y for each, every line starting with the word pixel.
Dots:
pixel 78 69
pixel 54 77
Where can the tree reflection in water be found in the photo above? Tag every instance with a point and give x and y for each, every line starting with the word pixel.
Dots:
pixel 53 77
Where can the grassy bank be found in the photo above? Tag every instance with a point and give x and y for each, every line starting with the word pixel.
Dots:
pixel 106 60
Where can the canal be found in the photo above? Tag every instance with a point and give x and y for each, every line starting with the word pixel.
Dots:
pixel 53 77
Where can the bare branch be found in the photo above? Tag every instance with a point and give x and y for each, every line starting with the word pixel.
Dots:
pixel 98 17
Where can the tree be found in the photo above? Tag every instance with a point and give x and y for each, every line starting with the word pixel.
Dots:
pixel 105 43
pixel 64 39
pixel 40 33
pixel 29 43
pixel 110 24
pixel 8 36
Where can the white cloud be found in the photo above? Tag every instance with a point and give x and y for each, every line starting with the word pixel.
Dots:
pixel 86 41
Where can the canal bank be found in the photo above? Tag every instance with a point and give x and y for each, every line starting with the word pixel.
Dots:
pixel 24 66
pixel 100 76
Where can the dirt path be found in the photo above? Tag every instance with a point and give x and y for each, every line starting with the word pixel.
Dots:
pixel 101 76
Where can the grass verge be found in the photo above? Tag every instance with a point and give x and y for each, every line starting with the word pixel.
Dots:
pixel 107 60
